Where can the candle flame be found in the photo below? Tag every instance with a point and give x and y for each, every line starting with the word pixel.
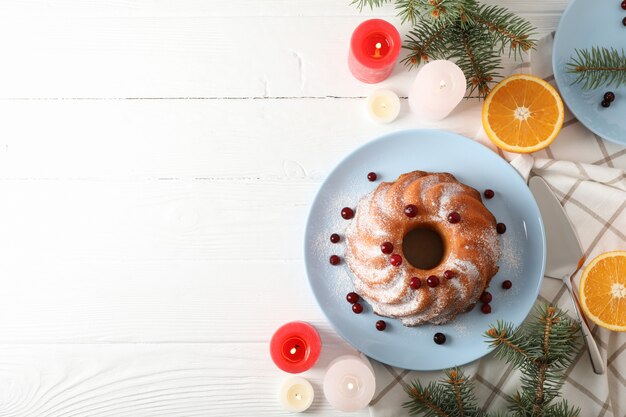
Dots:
pixel 377 51
pixel 293 351
pixel 442 84
pixel 350 386
pixel 298 396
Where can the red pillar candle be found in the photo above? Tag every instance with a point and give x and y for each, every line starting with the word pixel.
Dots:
pixel 374 49
pixel 295 347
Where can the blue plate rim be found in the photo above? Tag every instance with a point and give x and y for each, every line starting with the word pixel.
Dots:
pixel 488 154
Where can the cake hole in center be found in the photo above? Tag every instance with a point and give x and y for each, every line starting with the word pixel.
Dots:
pixel 423 248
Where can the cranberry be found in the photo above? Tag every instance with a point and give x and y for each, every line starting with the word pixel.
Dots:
pixel 381 325
pixel 605 103
pixel 357 308
pixel 352 297
pixel 416 283
pixel 432 281
pixel 454 217
pixel 486 297
pixel 347 213
pixel 507 284
pixel 489 193
pixel 485 308
pixel 609 95
pixel 395 259
pixel 334 260
pixel 439 338
pixel 410 210
pixel 386 248
pixel 501 228
pixel 372 176
pixel 449 274
pixel 334 238
pixel 623 23
pixel 624 5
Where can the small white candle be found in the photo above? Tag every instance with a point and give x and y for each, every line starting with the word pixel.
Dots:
pixel 383 106
pixel 438 88
pixel 349 383
pixel 296 394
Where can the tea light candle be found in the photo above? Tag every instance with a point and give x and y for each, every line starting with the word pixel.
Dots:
pixel 383 106
pixel 295 347
pixel 374 50
pixel 349 383
pixel 296 394
pixel 437 90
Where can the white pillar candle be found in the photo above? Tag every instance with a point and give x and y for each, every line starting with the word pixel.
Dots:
pixel 349 383
pixel 438 88
pixel 383 106
pixel 296 394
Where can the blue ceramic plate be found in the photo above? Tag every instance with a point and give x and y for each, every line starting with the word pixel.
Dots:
pixel 523 247
pixel 587 23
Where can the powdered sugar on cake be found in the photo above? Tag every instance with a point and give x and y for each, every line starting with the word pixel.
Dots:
pixel 472 248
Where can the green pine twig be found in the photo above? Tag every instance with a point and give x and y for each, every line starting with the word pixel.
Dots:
pixel 598 67
pixel 475 56
pixel 542 349
pixel 360 4
pixel 507 29
pixel 452 396
pixel 472 34
pixel 426 41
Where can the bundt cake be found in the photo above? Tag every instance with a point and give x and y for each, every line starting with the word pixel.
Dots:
pixel 374 248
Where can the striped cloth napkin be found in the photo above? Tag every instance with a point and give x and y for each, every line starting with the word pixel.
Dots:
pixel 588 175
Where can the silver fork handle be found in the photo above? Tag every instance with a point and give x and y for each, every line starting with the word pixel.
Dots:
pixel 594 354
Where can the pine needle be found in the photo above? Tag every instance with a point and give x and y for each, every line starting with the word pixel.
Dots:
pixel 598 67
pixel 542 349
pixel 472 34
pixel 371 3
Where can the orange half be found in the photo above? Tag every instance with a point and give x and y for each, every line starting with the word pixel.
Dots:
pixel 523 114
pixel 603 290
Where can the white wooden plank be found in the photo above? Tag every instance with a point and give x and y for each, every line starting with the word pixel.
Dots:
pixel 77 221
pixel 230 8
pixel 188 139
pixel 45 301
pixel 82 57
pixel 151 380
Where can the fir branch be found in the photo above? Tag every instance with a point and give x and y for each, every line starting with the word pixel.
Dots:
pixel 371 3
pixel 507 343
pixel 427 40
pixel 507 29
pixel 453 396
pixel 476 35
pixel 458 388
pixel 598 67
pixel 410 10
pixel 448 10
pixel 562 409
pixel 425 400
pixel 475 56
pixel 541 349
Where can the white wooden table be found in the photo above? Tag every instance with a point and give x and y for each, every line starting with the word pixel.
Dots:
pixel 157 161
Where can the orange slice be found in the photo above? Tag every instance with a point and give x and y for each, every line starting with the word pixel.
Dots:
pixel 523 114
pixel 603 290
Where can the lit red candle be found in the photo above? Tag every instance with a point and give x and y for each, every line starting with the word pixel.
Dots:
pixel 374 50
pixel 295 347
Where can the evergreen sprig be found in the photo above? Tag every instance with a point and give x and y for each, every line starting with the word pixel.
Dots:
pixel 542 349
pixel 452 396
pixel 598 67
pixel 473 34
